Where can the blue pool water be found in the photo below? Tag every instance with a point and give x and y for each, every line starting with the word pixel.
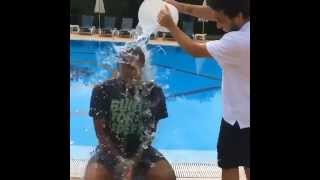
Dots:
pixel 193 97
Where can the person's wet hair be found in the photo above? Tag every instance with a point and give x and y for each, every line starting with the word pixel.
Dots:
pixel 136 51
pixel 231 8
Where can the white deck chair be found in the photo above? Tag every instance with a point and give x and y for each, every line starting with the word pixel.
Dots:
pixel 109 29
pixel 74 28
pixel 87 27
pixel 126 28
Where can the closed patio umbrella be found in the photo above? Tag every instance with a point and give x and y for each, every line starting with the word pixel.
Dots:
pixel 203 20
pixel 99 8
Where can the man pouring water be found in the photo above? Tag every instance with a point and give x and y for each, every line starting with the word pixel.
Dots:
pixel 232 52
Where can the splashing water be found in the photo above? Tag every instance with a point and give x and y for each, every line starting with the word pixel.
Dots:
pixel 162 50
pixel 106 61
pixel 107 58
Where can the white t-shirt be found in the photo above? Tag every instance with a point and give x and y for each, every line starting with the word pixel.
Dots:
pixel 232 53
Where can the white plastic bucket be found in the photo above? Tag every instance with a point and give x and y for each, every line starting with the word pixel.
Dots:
pixel 148 15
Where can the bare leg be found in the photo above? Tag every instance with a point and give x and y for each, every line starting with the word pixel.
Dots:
pixel 96 171
pixel 161 170
pixel 230 174
pixel 247 170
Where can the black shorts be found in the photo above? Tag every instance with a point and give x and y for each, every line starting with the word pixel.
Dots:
pixel 233 146
pixel 151 155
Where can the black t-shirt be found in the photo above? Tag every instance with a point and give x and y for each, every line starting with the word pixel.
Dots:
pixel 127 112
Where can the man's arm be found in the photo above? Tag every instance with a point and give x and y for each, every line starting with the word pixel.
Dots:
pixel 104 139
pixel 195 48
pixel 194 10
pixel 99 100
pixel 147 140
pixel 159 111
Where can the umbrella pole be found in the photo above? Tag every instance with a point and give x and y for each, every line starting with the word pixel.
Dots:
pixel 99 25
pixel 202 27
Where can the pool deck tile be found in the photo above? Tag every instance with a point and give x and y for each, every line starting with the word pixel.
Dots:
pixel 96 37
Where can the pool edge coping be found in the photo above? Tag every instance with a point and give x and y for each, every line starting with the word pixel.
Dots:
pixel 121 40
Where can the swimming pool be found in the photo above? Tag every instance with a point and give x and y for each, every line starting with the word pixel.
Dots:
pixel 192 91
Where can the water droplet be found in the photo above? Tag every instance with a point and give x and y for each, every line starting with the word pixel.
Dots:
pixel 144 146
pixel 153 134
pixel 152 165
pixel 147 112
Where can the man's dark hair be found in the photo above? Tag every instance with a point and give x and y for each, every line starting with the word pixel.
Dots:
pixel 138 51
pixel 231 8
pixel 135 50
